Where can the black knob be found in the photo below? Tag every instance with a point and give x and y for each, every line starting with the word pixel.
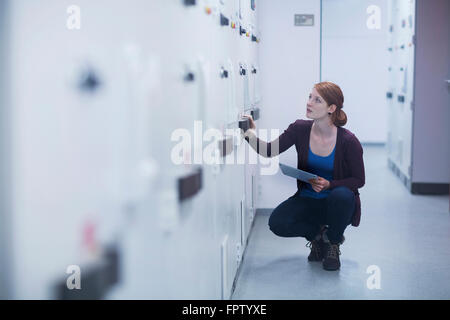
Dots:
pixel 401 98
pixel 389 95
pixel 254 70
pixel 242 71
pixel 189 77
pixel 223 73
pixel 241 30
pixel 224 21
pixel 190 2
pixel 254 39
pixel 89 81
pixel 244 124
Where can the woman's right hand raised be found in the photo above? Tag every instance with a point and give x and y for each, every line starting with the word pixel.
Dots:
pixel 252 122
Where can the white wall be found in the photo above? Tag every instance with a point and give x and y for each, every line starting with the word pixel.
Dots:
pixel 290 64
pixel 355 58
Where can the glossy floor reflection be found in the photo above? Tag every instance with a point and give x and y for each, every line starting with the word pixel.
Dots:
pixel 406 236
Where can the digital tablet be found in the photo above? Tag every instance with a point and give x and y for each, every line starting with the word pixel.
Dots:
pixel 296 173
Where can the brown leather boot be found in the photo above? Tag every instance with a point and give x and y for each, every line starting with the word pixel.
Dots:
pixel 331 260
pixel 317 246
pixel 317 250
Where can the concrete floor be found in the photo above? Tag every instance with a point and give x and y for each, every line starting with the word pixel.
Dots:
pixel 406 236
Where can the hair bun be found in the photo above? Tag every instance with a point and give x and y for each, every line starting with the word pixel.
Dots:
pixel 340 119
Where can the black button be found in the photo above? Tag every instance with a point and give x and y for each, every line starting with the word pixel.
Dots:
pixel 224 21
pixel 189 77
pixel 224 73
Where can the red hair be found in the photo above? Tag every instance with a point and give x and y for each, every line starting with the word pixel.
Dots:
pixel 332 94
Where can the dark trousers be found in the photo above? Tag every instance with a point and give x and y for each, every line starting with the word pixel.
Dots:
pixel 303 216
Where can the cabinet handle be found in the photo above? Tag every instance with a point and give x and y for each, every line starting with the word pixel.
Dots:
pixel 255 113
pixel 189 185
pixel 244 124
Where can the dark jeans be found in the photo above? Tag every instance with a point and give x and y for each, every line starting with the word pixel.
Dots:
pixel 302 216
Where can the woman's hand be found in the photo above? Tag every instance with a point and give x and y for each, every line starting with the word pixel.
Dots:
pixel 319 184
pixel 252 123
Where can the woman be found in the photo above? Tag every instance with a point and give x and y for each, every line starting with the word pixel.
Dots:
pixel 320 210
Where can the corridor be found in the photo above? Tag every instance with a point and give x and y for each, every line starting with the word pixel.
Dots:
pixel 404 235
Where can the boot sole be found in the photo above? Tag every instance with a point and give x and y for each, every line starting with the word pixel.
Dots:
pixel 331 269
pixel 315 260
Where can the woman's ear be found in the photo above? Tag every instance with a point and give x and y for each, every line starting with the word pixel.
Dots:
pixel 332 109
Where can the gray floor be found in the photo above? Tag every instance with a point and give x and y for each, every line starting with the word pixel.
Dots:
pixel 406 236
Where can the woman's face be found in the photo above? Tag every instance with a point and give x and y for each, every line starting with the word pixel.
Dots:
pixel 317 108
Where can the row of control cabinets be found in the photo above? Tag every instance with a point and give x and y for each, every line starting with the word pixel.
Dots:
pixel 418 95
pixel 103 142
pixel 400 93
pixel 204 209
pixel 231 14
pixel 223 86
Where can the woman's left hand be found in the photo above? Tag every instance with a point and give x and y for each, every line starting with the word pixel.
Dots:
pixel 319 184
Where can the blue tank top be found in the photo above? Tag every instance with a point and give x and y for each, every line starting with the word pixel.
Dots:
pixel 321 166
